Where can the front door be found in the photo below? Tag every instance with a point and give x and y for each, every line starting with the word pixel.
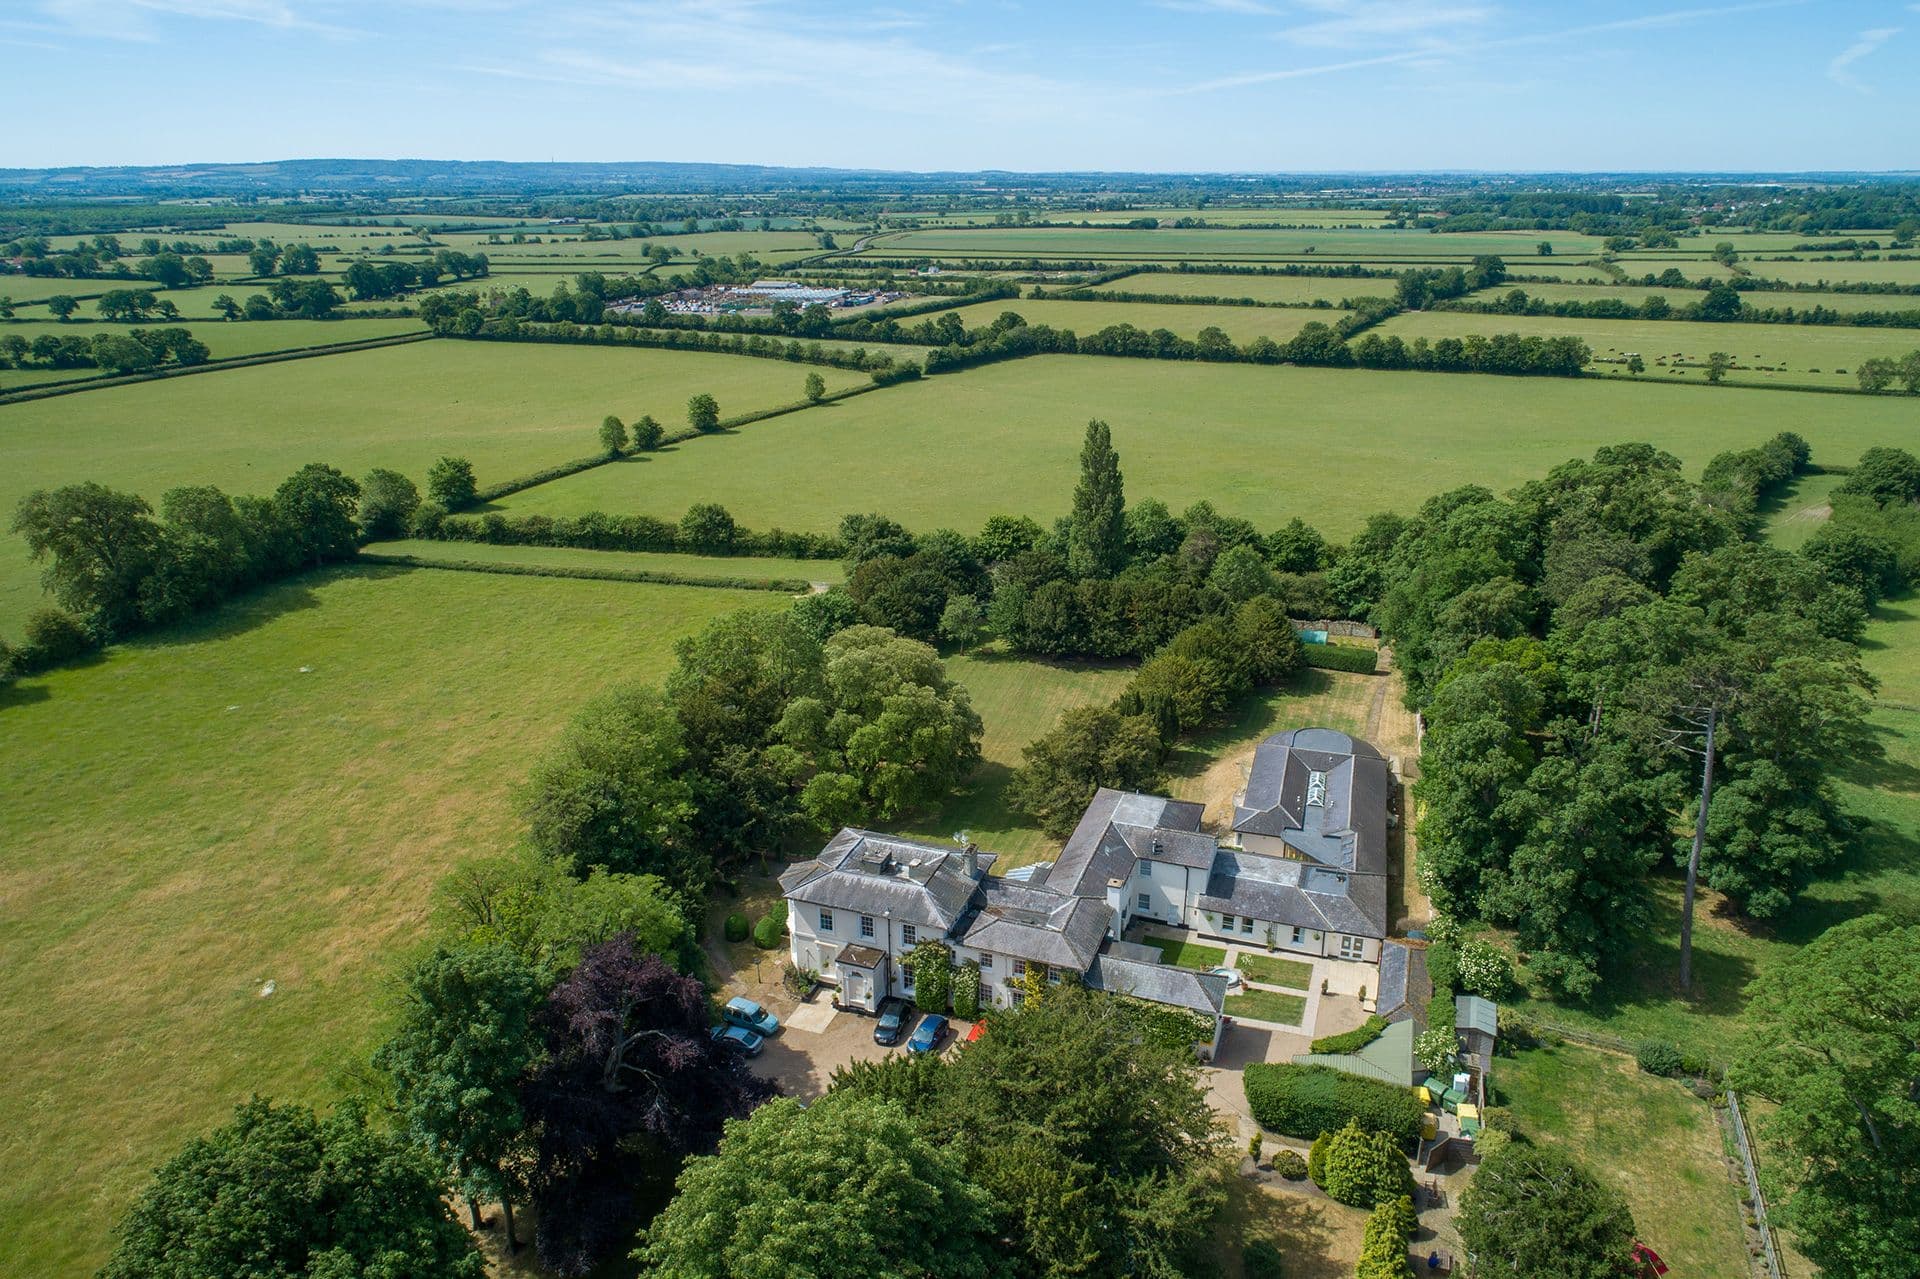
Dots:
pixel 857 989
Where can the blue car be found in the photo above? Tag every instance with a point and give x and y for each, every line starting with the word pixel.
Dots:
pixel 894 1016
pixel 749 1015
pixel 926 1036
pixel 739 1038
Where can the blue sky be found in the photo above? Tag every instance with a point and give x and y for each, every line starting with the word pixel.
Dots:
pixel 1166 85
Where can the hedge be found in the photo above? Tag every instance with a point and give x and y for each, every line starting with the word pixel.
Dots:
pixel 1342 657
pixel 1354 1040
pixel 737 927
pixel 662 577
pixel 766 933
pixel 1305 1101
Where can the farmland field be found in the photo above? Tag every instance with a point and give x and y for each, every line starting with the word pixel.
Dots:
pixel 1763 354
pixel 1845 270
pixel 509 408
pixel 226 340
pixel 1204 244
pixel 192 817
pixel 1263 443
pixel 1241 323
pixel 1773 299
pixel 1301 289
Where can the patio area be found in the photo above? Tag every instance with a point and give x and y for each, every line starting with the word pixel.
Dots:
pixel 1289 994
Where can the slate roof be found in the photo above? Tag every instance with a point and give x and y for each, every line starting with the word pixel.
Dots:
pixel 1199 992
pixel 1103 845
pixel 925 884
pixel 1297 893
pixel 1035 923
pixel 1323 793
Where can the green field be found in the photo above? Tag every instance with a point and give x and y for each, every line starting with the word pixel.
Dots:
pixel 1331 446
pixel 510 408
pixel 1299 289
pixel 192 817
pixel 1656 1143
pixel 1635 295
pixel 226 340
pixel 736 566
pixel 1865 271
pixel 1763 354
pixel 1202 244
pixel 1241 323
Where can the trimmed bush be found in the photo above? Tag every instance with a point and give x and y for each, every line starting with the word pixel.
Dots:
pixel 767 933
pixel 1485 970
pixel 1364 1168
pixel 1253 1147
pixel 1354 1040
pixel 737 928
pixel 1290 1165
pixel 1658 1057
pixel 932 967
pixel 1342 657
pixel 1305 1101
pixel 1383 1251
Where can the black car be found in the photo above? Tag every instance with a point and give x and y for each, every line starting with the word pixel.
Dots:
pixel 895 1015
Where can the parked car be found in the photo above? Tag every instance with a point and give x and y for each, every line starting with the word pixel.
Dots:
pixel 895 1016
pixel 744 1012
pixel 740 1039
pixel 926 1036
pixel 979 1029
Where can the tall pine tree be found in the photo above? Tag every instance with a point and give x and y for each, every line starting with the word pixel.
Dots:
pixel 1097 541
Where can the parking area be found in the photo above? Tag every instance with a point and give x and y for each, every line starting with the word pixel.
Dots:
pixel 817 1039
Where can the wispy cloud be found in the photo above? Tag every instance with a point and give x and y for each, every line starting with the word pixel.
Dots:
pixel 1840 70
pixel 1432 47
pixel 136 19
pixel 1355 25
pixel 1242 8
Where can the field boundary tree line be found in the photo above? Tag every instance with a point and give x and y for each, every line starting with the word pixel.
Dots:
pixel 661 577
pixel 47 390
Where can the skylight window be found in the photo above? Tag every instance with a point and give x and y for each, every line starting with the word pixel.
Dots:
pixel 1316 790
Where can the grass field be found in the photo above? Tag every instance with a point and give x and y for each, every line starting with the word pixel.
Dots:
pixel 1845 270
pixel 740 566
pixel 1330 446
pixel 227 340
pixel 192 817
pixel 1241 323
pixel 1634 295
pixel 1203 244
pixel 511 409
pixel 1763 354
pixel 1652 1140
pixel 1261 288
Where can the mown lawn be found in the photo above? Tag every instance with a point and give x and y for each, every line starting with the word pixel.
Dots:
pixel 1328 445
pixel 1274 971
pixel 1186 954
pixel 1267 1005
pixel 1649 1137
pixel 510 408
pixel 191 817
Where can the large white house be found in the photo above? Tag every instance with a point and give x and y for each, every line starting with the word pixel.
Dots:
pixel 1303 870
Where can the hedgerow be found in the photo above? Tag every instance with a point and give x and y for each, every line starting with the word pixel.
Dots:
pixel 1305 1101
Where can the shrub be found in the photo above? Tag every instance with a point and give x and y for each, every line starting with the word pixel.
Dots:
pixel 1435 1048
pixel 1443 968
pixel 1383 1250
pixel 450 482
pixel 1518 1032
pixel 1443 931
pixel 1342 657
pixel 1658 1057
pixel 966 991
pixel 55 636
pixel 1485 970
pixel 1305 1101
pixel 1364 1168
pixel 1261 1260
pixel 767 933
pixel 1354 1040
pixel 932 967
pixel 1253 1147
pixel 1317 1157
pixel 737 927
pixel 1290 1165
pixel 797 981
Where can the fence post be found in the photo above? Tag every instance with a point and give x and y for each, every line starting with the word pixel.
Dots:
pixel 1753 1183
